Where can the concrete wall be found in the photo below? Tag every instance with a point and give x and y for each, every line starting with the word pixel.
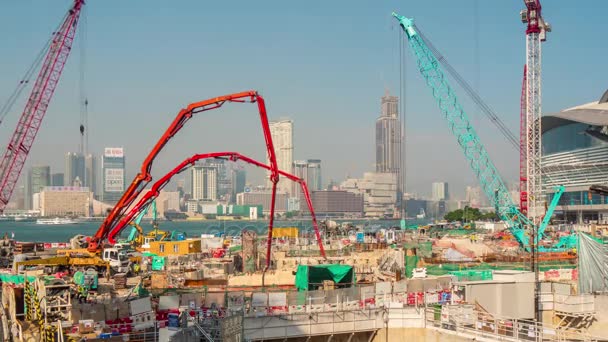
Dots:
pixel 514 300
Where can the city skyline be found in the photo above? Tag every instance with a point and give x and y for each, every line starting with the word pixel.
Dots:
pixel 341 117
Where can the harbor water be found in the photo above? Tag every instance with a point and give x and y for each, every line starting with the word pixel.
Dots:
pixel 30 231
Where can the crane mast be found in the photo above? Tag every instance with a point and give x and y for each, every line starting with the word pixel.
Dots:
pixel 29 123
pixel 523 154
pixel 536 32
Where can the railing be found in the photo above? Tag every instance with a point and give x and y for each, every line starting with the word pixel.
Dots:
pixel 466 321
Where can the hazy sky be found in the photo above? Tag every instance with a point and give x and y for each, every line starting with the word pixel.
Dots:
pixel 324 64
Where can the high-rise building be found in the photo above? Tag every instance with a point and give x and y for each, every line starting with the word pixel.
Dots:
pixel 379 192
pixel 90 176
pixel 282 138
pixel 65 201
pixel 440 191
pixel 74 168
pixel 310 171
pixel 388 137
pixel 57 179
pixel 238 180
pixel 204 182
pixel 113 174
pixel 38 177
pixel 475 196
pixel 80 170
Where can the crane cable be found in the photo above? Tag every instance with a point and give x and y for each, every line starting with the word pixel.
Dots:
pixel 25 80
pixel 486 109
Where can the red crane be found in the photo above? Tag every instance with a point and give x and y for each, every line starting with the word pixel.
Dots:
pixel 153 193
pixel 523 142
pixel 144 176
pixel 29 123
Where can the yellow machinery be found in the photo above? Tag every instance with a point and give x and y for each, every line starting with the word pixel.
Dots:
pixel 67 260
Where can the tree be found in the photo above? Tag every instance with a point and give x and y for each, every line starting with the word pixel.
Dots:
pixel 469 214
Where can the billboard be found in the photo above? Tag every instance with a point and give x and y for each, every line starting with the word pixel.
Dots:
pixel 114 180
pixel 114 152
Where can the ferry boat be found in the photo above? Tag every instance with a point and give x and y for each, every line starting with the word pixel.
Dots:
pixel 56 220
pixel 24 218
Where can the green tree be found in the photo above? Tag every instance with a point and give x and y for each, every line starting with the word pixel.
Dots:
pixel 469 214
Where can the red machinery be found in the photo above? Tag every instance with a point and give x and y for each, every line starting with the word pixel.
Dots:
pixel 153 193
pixel 523 142
pixel 144 177
pixel 23 138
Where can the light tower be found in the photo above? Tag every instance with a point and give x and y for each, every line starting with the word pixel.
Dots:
pixel 536 32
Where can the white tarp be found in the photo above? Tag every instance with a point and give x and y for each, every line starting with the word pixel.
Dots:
pixel 592 265
pixel 139 306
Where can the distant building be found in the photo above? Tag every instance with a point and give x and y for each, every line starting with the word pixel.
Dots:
pixel 74 168
pixel 440 191
pixel 263 198
pixel 388 138
pixel 65 201
pixel 238 180
pixel 310 171
pixel 57 179
pixel 475 197
pixel 337 203
pixel 113 173
pixel 204 182
pixel 90 169
pixel 38 177
pixel 282 139
pixel 379 192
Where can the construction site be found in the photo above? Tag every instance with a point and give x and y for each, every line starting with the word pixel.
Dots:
pixel 523 276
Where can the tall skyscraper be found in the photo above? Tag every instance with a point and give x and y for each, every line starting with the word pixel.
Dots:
pixel 74 168
pixel 113 173
pixel 282 138
pixel 204 182
pixel 238 180
pixel 389 140
pixel 57 179
pixel 90 168
pixel 310 171
pixel 440 191
pixel 38 177
pixel 313 177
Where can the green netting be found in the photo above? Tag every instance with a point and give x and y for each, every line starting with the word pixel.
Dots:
pixel 235 249
pixel 307 277
pixel 472 275
pixel 443 269
pixel 15 278
pixel 411 261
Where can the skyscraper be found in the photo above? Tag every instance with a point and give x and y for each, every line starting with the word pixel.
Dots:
pixel 282 138
pixel 313 177
pixel 440 191
pixel 204 182
pixel 238 180
pixel 113 173
pixel 388 141
pixel 90 168
pixel 310 171
pixel 74 168
pixel 57 179
pixel 38 177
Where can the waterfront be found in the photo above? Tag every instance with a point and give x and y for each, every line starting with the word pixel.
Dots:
pixel 30 231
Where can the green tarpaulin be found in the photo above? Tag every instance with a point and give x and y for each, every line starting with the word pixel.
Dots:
pixel 411 262
pixel 15 278
pixel 310 277
pixel 158 263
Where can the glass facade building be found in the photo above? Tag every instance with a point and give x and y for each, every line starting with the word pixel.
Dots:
pixel 575 155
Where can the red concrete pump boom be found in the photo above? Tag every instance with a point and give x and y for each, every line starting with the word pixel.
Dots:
pixel 144 176
pixel 42 92
pixel 153 193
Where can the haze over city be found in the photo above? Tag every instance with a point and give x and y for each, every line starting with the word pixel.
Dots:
pixel 324 65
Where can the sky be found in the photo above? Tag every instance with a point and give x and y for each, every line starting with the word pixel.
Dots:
pixel 324 64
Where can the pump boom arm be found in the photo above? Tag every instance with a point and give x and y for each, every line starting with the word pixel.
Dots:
pixel 153 193
pixel 144 176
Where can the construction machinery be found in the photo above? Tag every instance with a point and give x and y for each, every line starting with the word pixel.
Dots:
pixel 21 141
pixel 117 218
pixel 153 193
pixel 112 261
pixel 536 32
pixel 474 151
